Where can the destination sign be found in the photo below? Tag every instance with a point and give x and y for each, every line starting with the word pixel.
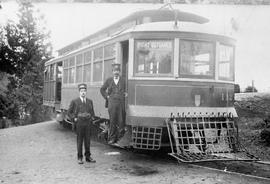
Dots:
pixel 154 44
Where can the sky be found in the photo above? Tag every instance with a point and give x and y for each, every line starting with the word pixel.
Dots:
pixel 69 22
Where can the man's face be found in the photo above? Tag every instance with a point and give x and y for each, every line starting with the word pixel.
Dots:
pixel 82 93
pixel 116 72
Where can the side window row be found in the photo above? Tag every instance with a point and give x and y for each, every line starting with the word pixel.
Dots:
pixel 79 68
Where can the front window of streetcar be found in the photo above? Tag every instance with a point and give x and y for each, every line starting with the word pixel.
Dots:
pixel 153 57
pixel 196 59
pixel 226 66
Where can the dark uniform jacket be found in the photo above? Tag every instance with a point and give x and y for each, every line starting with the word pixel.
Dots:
pixel 83 112
pixel 112 90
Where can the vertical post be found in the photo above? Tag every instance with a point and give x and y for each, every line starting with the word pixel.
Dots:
pixel 176 57
pixel 252 86
pixel 118 53
pixel 131 58
pixel 216 63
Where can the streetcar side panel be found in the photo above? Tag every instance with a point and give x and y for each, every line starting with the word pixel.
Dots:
pixel 93 92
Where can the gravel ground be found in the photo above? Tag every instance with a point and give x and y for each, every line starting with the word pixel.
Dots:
pixel 46 153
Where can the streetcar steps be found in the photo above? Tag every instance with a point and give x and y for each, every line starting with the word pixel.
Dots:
pixel 148 138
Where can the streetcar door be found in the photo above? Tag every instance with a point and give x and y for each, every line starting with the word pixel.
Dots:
pixel 124 56
pixel 59 71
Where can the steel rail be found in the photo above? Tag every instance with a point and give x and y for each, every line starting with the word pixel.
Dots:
pixel 232 172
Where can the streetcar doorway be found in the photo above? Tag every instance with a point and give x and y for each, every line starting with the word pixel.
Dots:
pixel 124 57
pixel 59 73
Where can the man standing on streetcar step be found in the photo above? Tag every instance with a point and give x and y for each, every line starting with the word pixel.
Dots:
pixel 81 111
pixel 113 90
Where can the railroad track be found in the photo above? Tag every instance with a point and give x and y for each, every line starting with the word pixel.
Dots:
pixel 253 169
pixel 256 169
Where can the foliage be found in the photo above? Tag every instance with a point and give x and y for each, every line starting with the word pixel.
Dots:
pixel 250 89
pixel 232 2
pixel 24 50
pixel 250 2
pixel 236 88
pixel 7 55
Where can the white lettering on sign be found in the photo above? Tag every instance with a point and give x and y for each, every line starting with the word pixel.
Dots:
pixel 154 44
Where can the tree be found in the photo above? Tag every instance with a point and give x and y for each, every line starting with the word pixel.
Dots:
pixel 25 50
pixel 250 89
pixel 8 57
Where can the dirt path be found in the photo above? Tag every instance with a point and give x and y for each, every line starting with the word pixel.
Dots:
pixel 46 153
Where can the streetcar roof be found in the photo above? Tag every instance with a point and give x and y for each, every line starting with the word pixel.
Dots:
pixel 179 27
pixel 140 17
pixel 168 27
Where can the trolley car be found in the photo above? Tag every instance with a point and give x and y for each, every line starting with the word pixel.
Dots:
pixel 179 77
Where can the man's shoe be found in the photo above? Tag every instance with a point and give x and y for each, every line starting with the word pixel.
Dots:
pixel 112 141
pixel 80 161
pixel 90 159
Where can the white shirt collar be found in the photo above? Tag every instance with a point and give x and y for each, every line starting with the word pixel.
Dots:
pixel 116 80
pixel 82 98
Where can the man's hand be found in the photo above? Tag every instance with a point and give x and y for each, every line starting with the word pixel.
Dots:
pixel 73 127
pixel 84 115
pixel 126 94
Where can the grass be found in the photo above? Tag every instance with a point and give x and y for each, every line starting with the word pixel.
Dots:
pixel 250 124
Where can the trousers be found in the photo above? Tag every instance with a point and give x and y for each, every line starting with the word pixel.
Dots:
pixel 117 118
pixel 83 131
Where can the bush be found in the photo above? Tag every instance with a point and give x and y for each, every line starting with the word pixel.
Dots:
pixel 265 135
pixel 250 89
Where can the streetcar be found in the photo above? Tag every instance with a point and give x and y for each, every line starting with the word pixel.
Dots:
pixel 180 81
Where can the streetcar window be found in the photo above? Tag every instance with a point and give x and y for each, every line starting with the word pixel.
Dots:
pixel 98 54
pixel 69 71
pixel 97 75
pixel 226 62
pixel 52 72
pixel 59 70
pixel 87 73
pixel 79 77
pixel 97 66
pixel 79 59
pixel 65 73
pixel 71 61
pixel 109 51
pixel 153 57
pixel 46 77
pixel 108 68
pixel 79 68
pixel 109 58
pixel 196 59
pixel 71 75
pixel 87 66
pixel 87 57
pixel 66 64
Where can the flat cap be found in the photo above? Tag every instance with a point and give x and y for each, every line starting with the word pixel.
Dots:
pixel 116 66
pixel 82 86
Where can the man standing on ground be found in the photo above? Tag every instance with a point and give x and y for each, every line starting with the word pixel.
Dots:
pixel 81 111
pixel 113 90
